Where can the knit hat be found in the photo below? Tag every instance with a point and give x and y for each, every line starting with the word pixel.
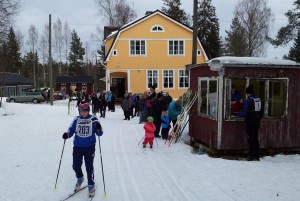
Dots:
pixel 150 119
pixel 250 90
pixel 84 106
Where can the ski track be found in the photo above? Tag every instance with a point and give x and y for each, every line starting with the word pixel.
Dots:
pixel 126 159
pixel 157 170
pixel 125 195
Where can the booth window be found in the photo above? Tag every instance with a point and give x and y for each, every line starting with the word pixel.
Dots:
pixel 272 92
pixel 207 89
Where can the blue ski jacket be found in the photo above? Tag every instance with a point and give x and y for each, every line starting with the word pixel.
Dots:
pixel 85 131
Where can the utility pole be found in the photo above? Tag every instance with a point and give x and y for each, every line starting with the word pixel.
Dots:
pixel 50 63
pixel 195 32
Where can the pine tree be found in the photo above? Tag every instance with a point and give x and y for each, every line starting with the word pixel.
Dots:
pixel 235 40
pixel 76 54
pixel 28 64
pixel 208 29
pixel 294 53
pixel 13 52
pixel 173 10
pixel 289 32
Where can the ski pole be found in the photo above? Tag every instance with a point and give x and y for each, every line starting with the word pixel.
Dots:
pixel 102 166
pixel 156 141
pixel 60 163
pixel 141 141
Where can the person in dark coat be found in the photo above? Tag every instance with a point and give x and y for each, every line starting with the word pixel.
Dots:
pixel 95 104
pixel 102 105
pixel 126 107
pixel 143 108
pixel 252 112
pixel 151 95
pixel 155 111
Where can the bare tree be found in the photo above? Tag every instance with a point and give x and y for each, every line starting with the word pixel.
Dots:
pixel 58 38
pixel 32 42
pixel 8 9
pixel 255 18
pixel 66 39
pixel 116 12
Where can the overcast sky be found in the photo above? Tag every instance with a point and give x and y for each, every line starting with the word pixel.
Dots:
pixel 82 15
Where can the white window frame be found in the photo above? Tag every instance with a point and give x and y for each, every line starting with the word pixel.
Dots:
pixel 183 76
pixel 173 48
pixel 133 53
pixel 115 52
pixel 157 27
pixel 63 84
pixel 147 79
pixel 84 88
pixel 73 84
pixel 168 76
pixel 199 52
pixel 200 99
pixel 83 83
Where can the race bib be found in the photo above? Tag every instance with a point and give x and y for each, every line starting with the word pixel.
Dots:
pixel 257 104
pixel 84 128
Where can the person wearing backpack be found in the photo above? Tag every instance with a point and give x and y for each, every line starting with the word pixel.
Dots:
pixel 252 112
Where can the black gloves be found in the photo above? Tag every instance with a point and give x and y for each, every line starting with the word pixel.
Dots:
pixel 98 126
pixel 65 136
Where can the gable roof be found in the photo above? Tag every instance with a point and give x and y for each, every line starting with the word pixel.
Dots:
pixel 12 79
pixel 74 79
pixel 117 33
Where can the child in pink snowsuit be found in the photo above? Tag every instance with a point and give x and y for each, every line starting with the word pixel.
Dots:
pixel 149 132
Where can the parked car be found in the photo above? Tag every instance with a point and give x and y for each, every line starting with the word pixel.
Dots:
pixel 58 95
pixel 35 97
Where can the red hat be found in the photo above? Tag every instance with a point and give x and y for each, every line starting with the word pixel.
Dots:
pixel 84 106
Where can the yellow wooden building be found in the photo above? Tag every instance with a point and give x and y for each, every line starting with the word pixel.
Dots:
pixel 152 50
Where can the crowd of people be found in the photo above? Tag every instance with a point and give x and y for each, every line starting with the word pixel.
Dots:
pixel 99 101
pixel 160 107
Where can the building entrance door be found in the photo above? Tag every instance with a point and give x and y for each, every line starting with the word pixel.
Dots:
pixel 118 86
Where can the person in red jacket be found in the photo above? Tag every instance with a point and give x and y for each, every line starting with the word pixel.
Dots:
pixel 149 132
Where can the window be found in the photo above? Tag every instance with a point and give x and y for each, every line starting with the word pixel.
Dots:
pixel 84 83
pixel 183 79
pixel 198 52
pixel 115 53
pixel 157 28
pixel 63 83
pixel 73 84
pixel 84 88
pixel 168 79
pixel 272 92
pixel 176 47
pixel 208 88
pixel 152 78
pixel 137 47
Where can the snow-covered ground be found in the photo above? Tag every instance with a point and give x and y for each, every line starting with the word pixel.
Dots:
pixel 31 146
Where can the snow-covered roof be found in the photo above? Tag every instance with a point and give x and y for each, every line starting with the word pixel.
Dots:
pixel 219 62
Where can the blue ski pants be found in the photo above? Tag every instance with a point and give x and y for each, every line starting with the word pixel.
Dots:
pixel 88 153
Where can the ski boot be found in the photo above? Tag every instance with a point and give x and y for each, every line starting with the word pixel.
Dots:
pixel 78 184
pixel 92 190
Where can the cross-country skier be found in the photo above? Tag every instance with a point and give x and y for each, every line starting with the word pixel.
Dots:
pixel 85 127
pixel 149 132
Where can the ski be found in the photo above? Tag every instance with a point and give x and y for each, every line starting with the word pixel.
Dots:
pixel 74 193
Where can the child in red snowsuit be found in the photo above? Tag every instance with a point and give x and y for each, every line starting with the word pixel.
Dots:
pixel 149 132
